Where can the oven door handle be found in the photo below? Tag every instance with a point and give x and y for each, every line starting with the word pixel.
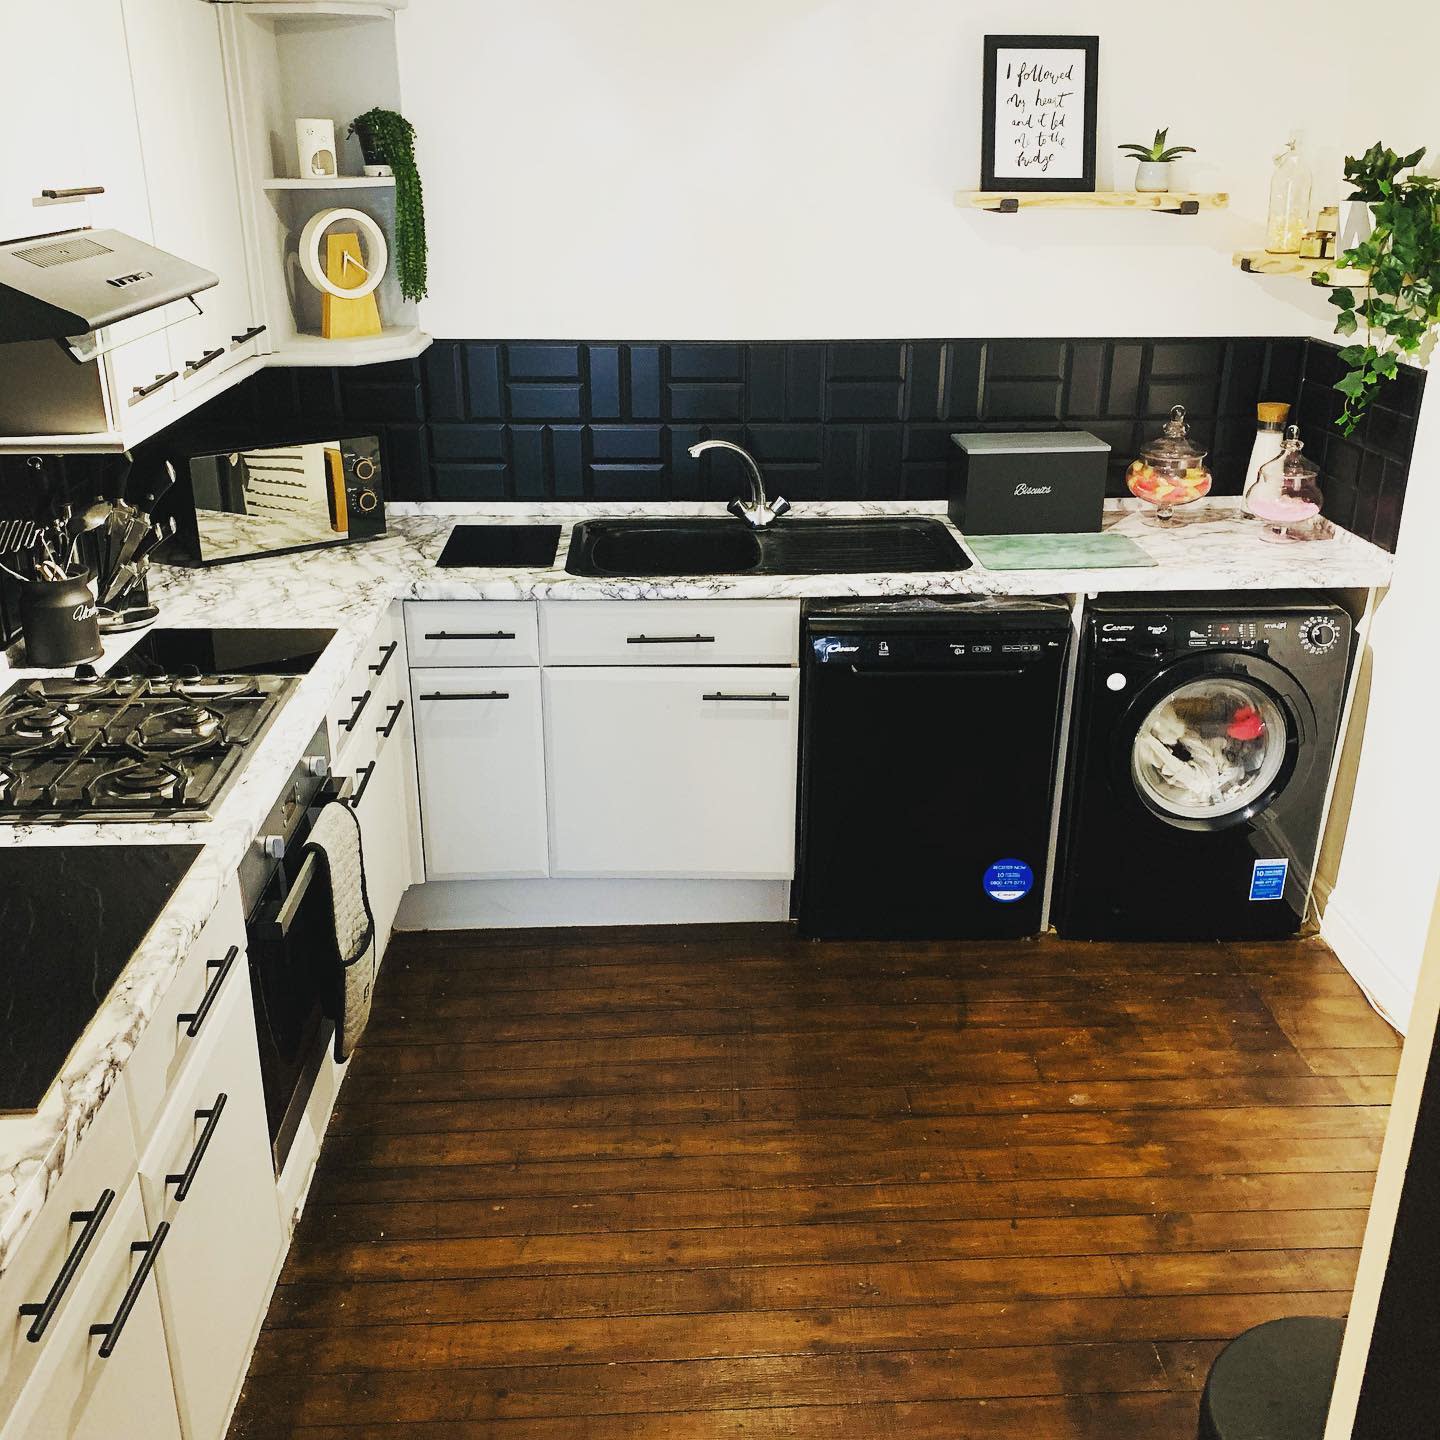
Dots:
pixel 289 908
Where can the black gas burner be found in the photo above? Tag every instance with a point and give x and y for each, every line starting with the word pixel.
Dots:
pixel 100 747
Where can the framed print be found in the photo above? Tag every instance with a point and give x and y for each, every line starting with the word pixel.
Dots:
pixel 1038 124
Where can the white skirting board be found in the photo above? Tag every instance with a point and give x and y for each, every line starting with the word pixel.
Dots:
pixel 520 904
pixel 1383 989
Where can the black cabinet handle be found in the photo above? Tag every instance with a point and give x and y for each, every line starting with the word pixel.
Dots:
pixel 194 1019
pixel 44 1310
pixel 186 1178
pixel 387 654
pixel 249 334
pixel 469 695
pixel 482 635
pixel 74 193
pixel 717 695
pixel 365 773
pixel 360 702
pixel 669 639
pixel 383 731
pixel 151 1249
pixel 207 357
pixel 158 383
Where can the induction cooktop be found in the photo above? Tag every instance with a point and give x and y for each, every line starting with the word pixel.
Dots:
pixel 523 547
pixel 71 916
pixel 238 651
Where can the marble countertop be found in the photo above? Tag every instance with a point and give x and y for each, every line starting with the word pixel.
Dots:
pixel 349 589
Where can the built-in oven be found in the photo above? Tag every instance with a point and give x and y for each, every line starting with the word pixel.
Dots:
pixel 291 937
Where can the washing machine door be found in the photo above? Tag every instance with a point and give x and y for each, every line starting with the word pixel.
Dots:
pixel 1214 740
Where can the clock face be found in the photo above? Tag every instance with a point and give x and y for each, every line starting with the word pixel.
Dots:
pixel 355 253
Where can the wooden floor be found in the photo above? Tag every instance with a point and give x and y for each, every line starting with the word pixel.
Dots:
pixel 705 1184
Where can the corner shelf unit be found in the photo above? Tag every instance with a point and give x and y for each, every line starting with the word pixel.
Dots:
pixel 1010 202
pixel 1262 262
pixel 328 58
pixel 332 182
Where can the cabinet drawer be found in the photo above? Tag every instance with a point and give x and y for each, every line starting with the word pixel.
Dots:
pixel 375 682
pixel 669 632
pixel 479 741
pixel 215 964
pixel 104 1164
pixel 471 632
pixel 207 1172
pixel 96 1387
pixel 672 772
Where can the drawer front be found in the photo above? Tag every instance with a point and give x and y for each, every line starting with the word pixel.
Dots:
pixel 104 1164
pixel 207 1172
pixel 215 964
pixel 669 632
pixel 373 683
pixel 471 632
pixel 97 1387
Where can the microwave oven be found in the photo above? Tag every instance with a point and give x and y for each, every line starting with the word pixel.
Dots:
pixel 271 499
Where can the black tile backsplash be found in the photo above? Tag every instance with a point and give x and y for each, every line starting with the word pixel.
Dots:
pixel 844 420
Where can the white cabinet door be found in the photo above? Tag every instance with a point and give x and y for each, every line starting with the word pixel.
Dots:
pixel 672 772
pixel 80 1392
pixel 479 741
pixel 68 113
pixel 189 153
pixel 207 1172
pixel 385 824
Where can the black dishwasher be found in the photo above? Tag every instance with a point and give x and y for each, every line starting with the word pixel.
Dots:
pixel 929 737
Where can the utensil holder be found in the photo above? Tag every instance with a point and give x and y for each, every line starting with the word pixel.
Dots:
pixel 61 621
pixel 131 608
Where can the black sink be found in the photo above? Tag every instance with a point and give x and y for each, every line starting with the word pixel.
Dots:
pixel 789 547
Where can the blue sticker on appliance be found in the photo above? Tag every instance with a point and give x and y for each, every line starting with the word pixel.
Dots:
pixel 1008 881
pixel 1267 879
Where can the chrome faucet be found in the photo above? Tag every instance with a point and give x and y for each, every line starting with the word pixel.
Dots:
pixel 757 512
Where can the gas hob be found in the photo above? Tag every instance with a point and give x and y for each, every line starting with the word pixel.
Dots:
pixel 129 748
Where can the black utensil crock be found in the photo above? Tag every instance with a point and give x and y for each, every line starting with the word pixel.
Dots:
pixel 61 622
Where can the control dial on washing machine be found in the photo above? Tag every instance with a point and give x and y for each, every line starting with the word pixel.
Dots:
pixel 1319 635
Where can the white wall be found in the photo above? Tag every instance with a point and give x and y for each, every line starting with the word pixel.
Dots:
pixel 785 169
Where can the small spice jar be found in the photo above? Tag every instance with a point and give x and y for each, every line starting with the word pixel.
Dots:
pixel 1171 470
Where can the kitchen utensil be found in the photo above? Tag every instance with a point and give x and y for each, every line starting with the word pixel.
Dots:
pixel 1171 470
pixel 135 536
pixel 60 620
pixel 120 581
pixel 157 491
pixel 162 531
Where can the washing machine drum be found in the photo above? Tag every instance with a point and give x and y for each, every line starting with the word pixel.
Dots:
pixel 1212 750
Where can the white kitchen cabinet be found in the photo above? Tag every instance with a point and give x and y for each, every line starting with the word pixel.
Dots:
pixel 448 633
pixel 669 632
pixel 207 1173
pixel 669 772
pixel 387 808
pixel 479 741
pixel 78 1392
pixel 69 118
pixel 178 74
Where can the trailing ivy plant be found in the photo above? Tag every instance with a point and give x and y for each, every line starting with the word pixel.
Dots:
pixel 388 138
pixel 1399 305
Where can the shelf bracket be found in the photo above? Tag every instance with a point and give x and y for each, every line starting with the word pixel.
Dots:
pixel 1008 206
pixel 1185 207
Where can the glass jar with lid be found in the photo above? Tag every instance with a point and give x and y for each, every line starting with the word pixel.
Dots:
pixel 1171 470
pixel 1286 495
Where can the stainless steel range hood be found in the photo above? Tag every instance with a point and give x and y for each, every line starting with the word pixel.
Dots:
pixel 60 287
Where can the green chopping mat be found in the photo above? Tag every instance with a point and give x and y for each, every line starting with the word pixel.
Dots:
pixel 1056 552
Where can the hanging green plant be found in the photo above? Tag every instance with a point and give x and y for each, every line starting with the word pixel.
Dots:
pixel 1399 305
pixel 388 138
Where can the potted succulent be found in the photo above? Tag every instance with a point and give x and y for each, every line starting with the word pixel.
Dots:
pixel 1152 174
pixel 1399 303
pixel 387 144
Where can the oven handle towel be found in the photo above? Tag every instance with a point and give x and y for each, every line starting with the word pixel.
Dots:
pixel 335 841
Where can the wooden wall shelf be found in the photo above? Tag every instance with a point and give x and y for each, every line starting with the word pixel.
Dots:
pixel 1009 202
pixel 1262 262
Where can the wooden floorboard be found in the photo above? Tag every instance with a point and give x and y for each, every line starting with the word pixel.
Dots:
pixel 722 1183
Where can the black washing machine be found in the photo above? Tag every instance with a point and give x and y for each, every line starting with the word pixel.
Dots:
pixel 1204 730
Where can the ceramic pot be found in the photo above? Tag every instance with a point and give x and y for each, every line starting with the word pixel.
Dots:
pixel 1152 177
pixel 60 620
pixel 1357 224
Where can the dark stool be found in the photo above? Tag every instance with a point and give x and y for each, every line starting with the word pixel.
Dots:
pixel 1273 1382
